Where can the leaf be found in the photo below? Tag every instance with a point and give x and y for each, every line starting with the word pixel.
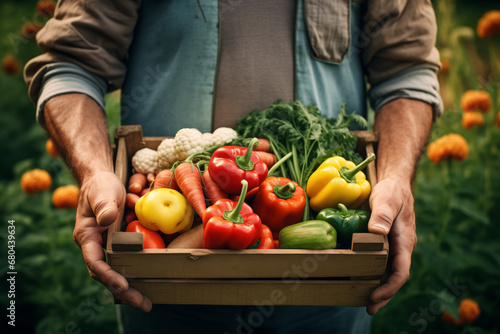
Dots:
pixel 469 209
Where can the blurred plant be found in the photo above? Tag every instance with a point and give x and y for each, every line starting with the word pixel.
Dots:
pixel 30 29
pixel 10 65
pixel 476 100
pixel 489 24
pixel 35 180
pixel 451 146
pixel 468 312
pixel 472 119
pixel 45 8
pixel 66 197
pixel 51 148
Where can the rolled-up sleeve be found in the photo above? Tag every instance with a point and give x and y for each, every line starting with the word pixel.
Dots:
pixel 64 78
pixel 93 35
pixel 401 59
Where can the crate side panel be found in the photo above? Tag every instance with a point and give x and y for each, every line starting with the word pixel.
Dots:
pixel 275 264
pixel 255 292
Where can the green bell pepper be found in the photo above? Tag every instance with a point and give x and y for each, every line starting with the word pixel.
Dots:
pixel 346 222
pixel 312 234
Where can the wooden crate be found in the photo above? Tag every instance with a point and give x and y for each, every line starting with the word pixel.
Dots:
pixel 337 277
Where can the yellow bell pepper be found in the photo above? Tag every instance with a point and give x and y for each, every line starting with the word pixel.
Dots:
pixel 166 210
pixel 338 181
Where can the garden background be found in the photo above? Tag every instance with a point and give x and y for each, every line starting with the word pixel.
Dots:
pixel 457 202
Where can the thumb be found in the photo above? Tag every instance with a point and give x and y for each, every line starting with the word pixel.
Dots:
pixel 385 208
pixel 107 201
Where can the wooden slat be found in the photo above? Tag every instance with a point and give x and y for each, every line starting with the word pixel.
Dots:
pixel 133 137
pixel 127 241
pixel 272 263
pixel 257 292
pixel 366 136
pixel 371 169
pixel 367 242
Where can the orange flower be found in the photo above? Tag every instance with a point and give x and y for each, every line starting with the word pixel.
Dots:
pixel 51 148
pixel 449 319
pixel 469 311
pixel 476 100
pixel 451 146
pixel 30 29
pixel 10 65
pixel 66 197
pixel 489 24
pixel 472 119
pixel 45 8
pixel 35 181
pixel 445 66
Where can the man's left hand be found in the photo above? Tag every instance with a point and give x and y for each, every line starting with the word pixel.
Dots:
pixel 393 214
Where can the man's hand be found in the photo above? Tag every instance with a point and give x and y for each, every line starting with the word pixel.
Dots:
pixel 101 203
pixel 403 126
pixel 79 129
pixel 392 210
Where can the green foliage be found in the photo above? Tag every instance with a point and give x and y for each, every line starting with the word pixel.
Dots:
pixel 456 205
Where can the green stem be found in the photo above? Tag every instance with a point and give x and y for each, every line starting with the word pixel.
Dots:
pixel 350 174
pixel 275 150
pixel 342 208
pixel 296 167
pixel 244 161
pixel 307 210
pixel 234 215
pixel 449 196
pixel 286 191
pixel 279 163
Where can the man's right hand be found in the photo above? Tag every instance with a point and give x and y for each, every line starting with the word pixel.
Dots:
pixel 101 203
pixel 78 127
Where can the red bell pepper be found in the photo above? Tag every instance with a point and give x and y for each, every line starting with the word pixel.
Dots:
pixel 150 239
pixel 266 240
pixel 231 164
pixel 279 202
pixel 229 224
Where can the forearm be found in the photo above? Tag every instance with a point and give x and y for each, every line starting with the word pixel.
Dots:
pixel 403 126
pixel 78 126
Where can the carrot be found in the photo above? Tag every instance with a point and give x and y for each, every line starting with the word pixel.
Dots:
pixel 214 192
pixel 130 216
pixel 189 181
pixel 131 199
pixel 136 183
pixel 165 179
pixel 268 158
pixel 144 192
pixel 264 145
pixel 150 177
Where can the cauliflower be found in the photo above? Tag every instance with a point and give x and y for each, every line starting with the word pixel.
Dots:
pixel 223 135
pixel 207 138
pixel 187 142
pixel 166 153
pixel 145 161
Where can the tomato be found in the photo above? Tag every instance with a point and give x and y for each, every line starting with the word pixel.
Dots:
pixel 151 239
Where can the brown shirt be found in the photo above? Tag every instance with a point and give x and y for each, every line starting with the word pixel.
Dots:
pixel 256 59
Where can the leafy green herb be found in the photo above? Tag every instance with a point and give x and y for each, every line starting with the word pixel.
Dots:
pixel 304 131
pixel 311 136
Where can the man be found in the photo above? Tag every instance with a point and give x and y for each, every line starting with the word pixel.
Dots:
pixel 204 64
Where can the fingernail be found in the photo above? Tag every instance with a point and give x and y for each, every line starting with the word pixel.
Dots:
pixel 380 227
